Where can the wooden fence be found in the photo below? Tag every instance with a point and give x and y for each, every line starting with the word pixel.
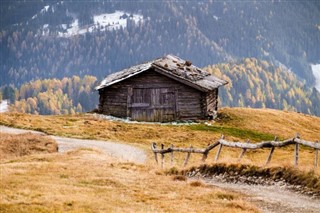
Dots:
pixel 296 141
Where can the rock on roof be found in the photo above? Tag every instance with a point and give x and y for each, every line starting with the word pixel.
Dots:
pixel 173 67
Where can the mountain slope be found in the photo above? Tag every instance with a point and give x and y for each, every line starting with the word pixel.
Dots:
pixel 35 42
pixel 260 84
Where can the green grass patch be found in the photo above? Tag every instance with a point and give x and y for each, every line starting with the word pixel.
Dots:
pixel 235 132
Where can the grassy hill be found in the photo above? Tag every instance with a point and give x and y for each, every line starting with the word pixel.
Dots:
pixel 86 180
pixel 237 124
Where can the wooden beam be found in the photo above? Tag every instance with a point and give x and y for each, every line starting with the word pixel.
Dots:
pixel 270 155
pixel 162 156
pixel 307 143
pixel 265 144
pixel 204 156
pixel 316 157
pixel 242 154
pixel 130 92
pixel 171 156
pixel 218 153
pixel 296 150
pixel 154 147
pixel 164 151
pixel 187 158
pixel 296 154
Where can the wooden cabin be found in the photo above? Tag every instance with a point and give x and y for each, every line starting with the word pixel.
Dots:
pixel 162 90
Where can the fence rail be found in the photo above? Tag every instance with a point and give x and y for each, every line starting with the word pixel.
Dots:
pixel 296 141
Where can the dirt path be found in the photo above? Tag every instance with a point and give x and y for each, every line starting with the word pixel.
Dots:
pixel 122 151
pixel 273 198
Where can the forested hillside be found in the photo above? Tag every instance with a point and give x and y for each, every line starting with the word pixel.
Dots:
pixel 260 84
pixel 53 96
pixel 54 39
pixel 252 83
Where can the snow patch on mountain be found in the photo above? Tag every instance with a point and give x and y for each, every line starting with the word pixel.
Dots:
pixel 216 18
pixel 45 9
pixel 316 73
pixel 103 22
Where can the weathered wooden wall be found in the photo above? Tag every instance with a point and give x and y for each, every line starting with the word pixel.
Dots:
pixel 190 104
pixel 212 102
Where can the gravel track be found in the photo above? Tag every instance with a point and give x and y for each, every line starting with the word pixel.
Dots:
pixel 272 198
pixel 122 151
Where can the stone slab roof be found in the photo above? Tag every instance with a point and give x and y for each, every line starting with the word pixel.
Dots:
pixel 172 67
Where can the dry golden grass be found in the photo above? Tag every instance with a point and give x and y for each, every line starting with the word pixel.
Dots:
pixel 25 144
pixel 273 122
pixel 238 124
pixel 283 124
pixel 88 181
pixel 87 126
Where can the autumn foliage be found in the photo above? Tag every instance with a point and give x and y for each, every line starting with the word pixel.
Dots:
pixel 53 96
pixel 261 84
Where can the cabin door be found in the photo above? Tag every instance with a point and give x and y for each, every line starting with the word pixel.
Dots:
pixel 153 104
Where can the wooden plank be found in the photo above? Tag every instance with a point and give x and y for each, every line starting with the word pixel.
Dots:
pixel 122 105
pixel 264 144
pixel 242 154
pixel 162 156
pixel 307 143
pixel 218 153
pixel 187 158
pixel 129 100
pixel 204 156
pixel 296 154
pixel 171 156
pixel 154 147
pixel 316 157
pixel 270 155
pixel 177 114
pixel 211 102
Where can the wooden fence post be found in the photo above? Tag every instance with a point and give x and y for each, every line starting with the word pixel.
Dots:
pixel 187 157
pixel 218 153
pixel 162 156
pixel 244 150
pixel 316 157
pixel 270 155
pixel 242 154
pixel 296 152
pixel 154 146
pixel 204 156
pixel 171 155
pixel 271 152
